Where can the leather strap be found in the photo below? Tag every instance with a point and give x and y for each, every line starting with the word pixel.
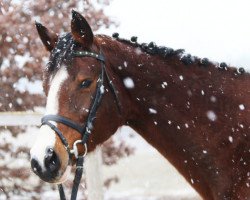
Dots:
pixel 63 120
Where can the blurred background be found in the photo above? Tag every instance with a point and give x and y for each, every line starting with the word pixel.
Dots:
pixel 218 30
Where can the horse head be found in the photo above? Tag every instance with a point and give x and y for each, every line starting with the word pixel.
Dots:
pixel 80 101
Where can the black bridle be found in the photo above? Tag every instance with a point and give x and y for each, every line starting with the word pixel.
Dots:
pixel 84 130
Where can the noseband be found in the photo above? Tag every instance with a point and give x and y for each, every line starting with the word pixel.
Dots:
pixel 84 130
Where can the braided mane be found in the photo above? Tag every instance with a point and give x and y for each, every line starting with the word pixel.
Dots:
pixel 165 52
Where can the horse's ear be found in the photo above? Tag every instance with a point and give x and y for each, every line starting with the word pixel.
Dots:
pixel 48 38
pixel 81 30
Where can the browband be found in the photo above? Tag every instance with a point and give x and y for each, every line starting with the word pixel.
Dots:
pixel 89 54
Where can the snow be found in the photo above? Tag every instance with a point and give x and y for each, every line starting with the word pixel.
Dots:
pixel 22 59
pixel 129 83
pixel 8 39
pixel 230 138
pixel 189 92
pixel 181 77
pixel 138 51
pixel 213 99
pixel 19 101
pixel 242 107
pixel 152 111
pixel 23 85
pixel 102 89
pixel 204 151
pixel 125 64
pixel 5 64
pixel 164 84
pixel 211 115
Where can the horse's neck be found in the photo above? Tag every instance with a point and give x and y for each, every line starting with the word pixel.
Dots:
pixel 183 111
pixel 153 85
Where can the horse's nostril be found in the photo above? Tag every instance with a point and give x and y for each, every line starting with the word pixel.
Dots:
pixel 51 161
pixel 35 166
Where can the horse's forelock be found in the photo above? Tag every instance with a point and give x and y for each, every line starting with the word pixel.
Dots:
pixel 61 53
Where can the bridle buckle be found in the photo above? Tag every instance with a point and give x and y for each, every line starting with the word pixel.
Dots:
pixel 75 149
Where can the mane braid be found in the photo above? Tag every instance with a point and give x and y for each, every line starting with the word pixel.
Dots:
pixel 165 52
pixel 61 53
pixel 150 48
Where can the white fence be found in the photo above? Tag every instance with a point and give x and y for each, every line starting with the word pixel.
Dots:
pixel 20 118
pixel 93 162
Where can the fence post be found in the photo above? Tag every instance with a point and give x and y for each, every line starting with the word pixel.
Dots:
pixel 94 179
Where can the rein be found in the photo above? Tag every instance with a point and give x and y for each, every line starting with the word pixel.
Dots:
pixel 86 129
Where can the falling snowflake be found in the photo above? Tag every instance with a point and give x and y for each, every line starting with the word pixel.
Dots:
pixel 230 138
pixel 242 107
pixel 164 84
pixel 211 115
pixel 204 151
pixel 213 99
pixel 152 111
pixel 129 83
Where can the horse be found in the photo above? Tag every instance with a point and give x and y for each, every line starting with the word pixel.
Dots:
pixel 195 112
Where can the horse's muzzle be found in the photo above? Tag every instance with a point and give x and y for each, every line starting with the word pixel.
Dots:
pixel 48 170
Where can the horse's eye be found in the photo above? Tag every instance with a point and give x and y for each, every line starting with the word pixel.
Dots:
pixel 86 83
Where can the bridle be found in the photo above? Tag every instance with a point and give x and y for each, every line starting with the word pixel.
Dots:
pixel 84 130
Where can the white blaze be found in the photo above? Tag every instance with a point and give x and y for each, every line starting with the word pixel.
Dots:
pixel 52 99
pixel 46 136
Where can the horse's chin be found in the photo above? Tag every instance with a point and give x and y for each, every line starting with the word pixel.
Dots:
pixel 65 176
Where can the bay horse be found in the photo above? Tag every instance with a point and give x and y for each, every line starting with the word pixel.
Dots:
pixel 196 113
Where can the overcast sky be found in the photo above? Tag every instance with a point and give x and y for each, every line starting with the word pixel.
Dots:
pixel 217 29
